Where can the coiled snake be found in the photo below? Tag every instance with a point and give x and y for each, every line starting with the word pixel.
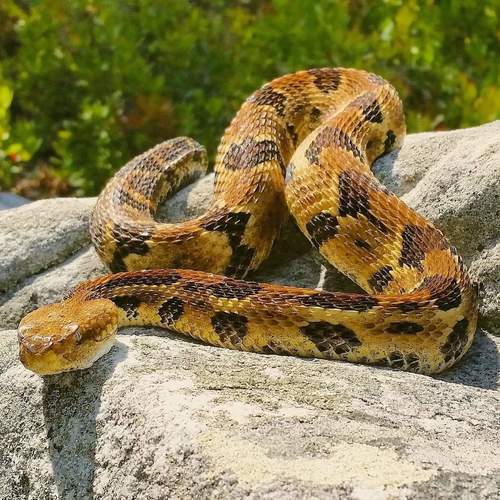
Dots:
pixel 327 126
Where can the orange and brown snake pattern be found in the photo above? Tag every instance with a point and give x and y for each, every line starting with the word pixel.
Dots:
pixel 301 144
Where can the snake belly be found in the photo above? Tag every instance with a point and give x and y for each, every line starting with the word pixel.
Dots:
pixel 301 144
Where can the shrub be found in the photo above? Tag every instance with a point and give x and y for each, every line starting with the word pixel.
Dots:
pixel 85 85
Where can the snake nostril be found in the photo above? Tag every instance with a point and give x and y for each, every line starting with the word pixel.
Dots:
pixel 78 336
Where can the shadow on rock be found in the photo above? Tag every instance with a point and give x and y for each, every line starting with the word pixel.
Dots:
pixel 383 170
pixel 71 404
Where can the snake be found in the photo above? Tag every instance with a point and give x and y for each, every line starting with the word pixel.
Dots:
pixel 303 144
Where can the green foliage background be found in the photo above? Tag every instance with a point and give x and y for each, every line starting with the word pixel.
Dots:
pixel 85 85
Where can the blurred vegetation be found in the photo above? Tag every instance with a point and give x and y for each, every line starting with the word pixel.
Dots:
pixel 85 85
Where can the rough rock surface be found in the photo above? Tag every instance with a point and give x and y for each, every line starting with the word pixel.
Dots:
pixel 39 235
pixel 161 416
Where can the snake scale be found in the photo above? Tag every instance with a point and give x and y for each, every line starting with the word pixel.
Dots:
pixel 301 144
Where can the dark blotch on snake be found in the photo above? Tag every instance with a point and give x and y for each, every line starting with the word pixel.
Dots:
pixel 330 136
pixel 326 79
pixel 354 196
pixel 453 297
pixel 232 289
pixel 290 128
pixel 129 304
pixel 267 96
pixel 171 310
pixel 369 107
pixel 373 113
pixel 457 340
pixel 127 243
pixel 362 244
pixel 233 224
pixel 160 277
pixel 389 141
pixel 230 326
pixel 404 327
pixel 412 252
pixel 241 260
pixel 344 302
pixel 445 291
pixel 251 153
pixel 381 278
pixel 396 359
pixel 329 336
pixel 194 286
pixel 417 241
pixel 322 227
pixel 410 305
pixel 315 114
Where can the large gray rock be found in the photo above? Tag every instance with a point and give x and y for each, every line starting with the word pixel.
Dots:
pixel 40 235
pixel 161 416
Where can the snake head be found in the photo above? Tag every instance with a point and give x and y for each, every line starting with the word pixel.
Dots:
pixel 68 335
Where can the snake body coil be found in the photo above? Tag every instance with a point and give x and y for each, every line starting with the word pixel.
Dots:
pixel 327 126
